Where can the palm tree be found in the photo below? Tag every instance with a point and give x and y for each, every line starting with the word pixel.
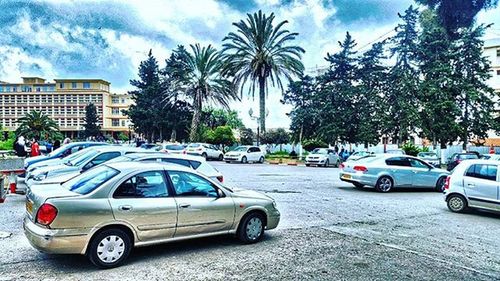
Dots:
pixel 204 83
pixel 36 124
pixel 259 53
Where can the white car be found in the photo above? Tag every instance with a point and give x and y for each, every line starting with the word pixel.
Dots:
pixel 473 184
pixel 172 148
pixel 359 154
pixel 205 150
pixel 323 157
pixel 245 154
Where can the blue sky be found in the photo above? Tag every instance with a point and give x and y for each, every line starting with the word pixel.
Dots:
pixel 108 39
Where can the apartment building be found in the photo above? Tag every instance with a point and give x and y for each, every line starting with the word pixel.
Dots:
pixel 64 100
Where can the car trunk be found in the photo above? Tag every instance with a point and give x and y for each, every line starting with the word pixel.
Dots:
pixel 39 195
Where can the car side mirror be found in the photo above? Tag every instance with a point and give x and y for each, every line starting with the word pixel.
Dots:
pixel 220 193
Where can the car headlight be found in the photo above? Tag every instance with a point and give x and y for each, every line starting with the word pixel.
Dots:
pixel 275 205
pixel 40 177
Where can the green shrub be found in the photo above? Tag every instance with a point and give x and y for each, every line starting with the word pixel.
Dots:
pixel 309 145
pixel 410 149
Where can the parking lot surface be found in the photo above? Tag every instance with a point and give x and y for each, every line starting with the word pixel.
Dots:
pixel 329 230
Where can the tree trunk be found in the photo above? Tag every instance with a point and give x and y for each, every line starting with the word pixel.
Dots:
pixel 262 104
pixel 465 136
pixel 193 135
pixel 173 136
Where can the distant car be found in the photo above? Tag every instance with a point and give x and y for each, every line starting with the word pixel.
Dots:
pixel 359 154
pixel 456 158
pixel 205 150
pixel 495 157
pixel 386 172
pixel 322 157
pixel 81 164
pixel 172 148
pixel 395 151
pixel 245 154
pixel 431 158
pixel 153 146
pixel 105 212
pixel 473 184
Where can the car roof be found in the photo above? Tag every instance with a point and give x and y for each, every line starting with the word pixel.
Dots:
pixel 119 148
pixel 481 161
pixel 130 166
pixel 164 155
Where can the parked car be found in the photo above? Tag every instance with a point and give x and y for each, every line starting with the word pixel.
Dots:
pixel 80 164
pixel 386 172
pixel 456 158
pixel 473 184
pixel 197 163
pixel 322 157
pixel 359 154
pixel 495 157
pixel 106 211
pixel 152 146
pixel 395 151
pixel 208 151
pixel 431 158
pixel 172 148
pixel 245 154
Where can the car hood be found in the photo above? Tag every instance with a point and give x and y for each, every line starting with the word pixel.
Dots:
pixel 244 193
pixel 35 159
pixel 48 162
pixel 60 178
pixel 57 169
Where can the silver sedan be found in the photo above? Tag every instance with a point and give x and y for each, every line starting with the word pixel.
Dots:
pixel 385 172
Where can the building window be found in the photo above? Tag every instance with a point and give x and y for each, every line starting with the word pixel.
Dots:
pixel 52 88
pixel 115 100
pixel 115 122
pixel 61 85
pixel 498 71
pixel 115 111
pixel 123 123
pixel 14 88
pixel 498 52
pixel 123 100
pixel 73 85
pixel 86 85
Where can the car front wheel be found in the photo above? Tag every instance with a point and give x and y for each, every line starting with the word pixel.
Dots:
pixel 384 184
pixel 440 184
pixel 251 229
pixel 221 157
pixel 109 248
pixel 456 203
pixel 244 160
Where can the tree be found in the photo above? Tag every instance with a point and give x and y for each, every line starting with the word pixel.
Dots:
pixel 92 129
pixel 260 53
pixel 455 14
pixel 204 83
pixel 123 137
pixel 36 124
pixel 278 136
pixel 213 118
pixel 247 136
pixel 222 135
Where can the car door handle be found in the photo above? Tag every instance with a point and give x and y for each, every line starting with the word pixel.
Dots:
pixel 471 185
pixel 126 208
pixel 185 205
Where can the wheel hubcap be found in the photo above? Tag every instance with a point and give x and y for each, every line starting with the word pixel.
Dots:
pixel 385 184
pixel 254 228
pixel 456 203
pixel 110 249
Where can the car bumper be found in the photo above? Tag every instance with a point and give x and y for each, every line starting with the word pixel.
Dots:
pixel 55 241
pixel 194 153
pixel 314 162
pixel 358 178
pixel 232 158
pixel 273 220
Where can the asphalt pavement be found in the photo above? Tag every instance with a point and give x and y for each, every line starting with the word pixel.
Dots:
pixel 329 230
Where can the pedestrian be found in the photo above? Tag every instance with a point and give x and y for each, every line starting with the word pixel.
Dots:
pixel 57 144
pixel 492 150
pixel 21 150
pixel 35 148
pixel 66 141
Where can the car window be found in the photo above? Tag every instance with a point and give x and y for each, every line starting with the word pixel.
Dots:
pixel 99 159
pixel 90 180
pixel 188 184
pixel 482 171
pixel 182 162
pixel 154 159
pixel 195 164
pixel 144 185
pixel 467 156
pixel 398 161
pixel 120 159
pixel 417 163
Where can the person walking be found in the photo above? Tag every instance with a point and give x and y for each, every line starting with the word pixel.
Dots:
pixel 35 148
pixel 57 144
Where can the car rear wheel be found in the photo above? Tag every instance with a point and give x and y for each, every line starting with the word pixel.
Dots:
pixel 261 160
pixel 456 203
pixel 440 184
pixel 204 155
pixel 327 163
pixel 109 248
pixel 221 157
pixel 384 184
pixel 251 228
pixel 244 160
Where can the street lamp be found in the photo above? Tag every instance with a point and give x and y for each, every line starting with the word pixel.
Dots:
pixel 250 112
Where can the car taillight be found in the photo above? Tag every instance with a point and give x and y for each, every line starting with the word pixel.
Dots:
pixel 342 166
pixel 360 169
pixel 220 178
pixel 447 183
pixel 184 152
pixel 46 214
pixel 458 161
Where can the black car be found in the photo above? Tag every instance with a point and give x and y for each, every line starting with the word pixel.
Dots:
pixel 456 158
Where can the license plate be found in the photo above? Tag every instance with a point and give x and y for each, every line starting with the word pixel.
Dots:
pixel 347 177
pixel 29 207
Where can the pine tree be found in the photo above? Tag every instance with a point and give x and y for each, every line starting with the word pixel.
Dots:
pixel 92 128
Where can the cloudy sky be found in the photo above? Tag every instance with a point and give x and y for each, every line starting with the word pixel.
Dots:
pixel 108 39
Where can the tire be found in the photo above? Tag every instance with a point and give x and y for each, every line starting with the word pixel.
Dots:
pixel 338 164
pixel 327 163
pixel 251 228
pixel 228 162
pixel 111 239
pixel 440 184
pixel 456 203
pixel 384 184
pixel 204 155
pixel 358 185
pixel 244 160
pixel 261 160
pixel 221 157
pixel 308 165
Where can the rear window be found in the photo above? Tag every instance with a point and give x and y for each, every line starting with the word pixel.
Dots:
pixel 182 162
pixel 206 169
pixel 195 164
pixel 194 145
pixel 90 180
pixel 482 171
pixel 174 147
pixel 467 156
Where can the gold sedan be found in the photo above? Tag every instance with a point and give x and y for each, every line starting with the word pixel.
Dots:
pixel 109 209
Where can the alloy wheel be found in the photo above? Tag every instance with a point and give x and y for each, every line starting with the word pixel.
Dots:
pixel 385 184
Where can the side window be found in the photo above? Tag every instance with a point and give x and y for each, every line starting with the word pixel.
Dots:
pixel 182 162
pixel 143 185
pixel 75 149
pixel 482 171
pixel 417 163
pixel 398 161
pixel 195 164
pixel 101 158
pixel 150 160
pixel 188 184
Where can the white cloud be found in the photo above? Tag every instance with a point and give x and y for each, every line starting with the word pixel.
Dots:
pixel 13 58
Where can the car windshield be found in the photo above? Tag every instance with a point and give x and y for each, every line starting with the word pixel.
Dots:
pixel 194 145
pixel 75 155
pixel 241 148
pixel 82 158
pixel 428 154
pixel 59 151
pixel 90 180
pixel 320 151
pixel 122 158
pixel 174 147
